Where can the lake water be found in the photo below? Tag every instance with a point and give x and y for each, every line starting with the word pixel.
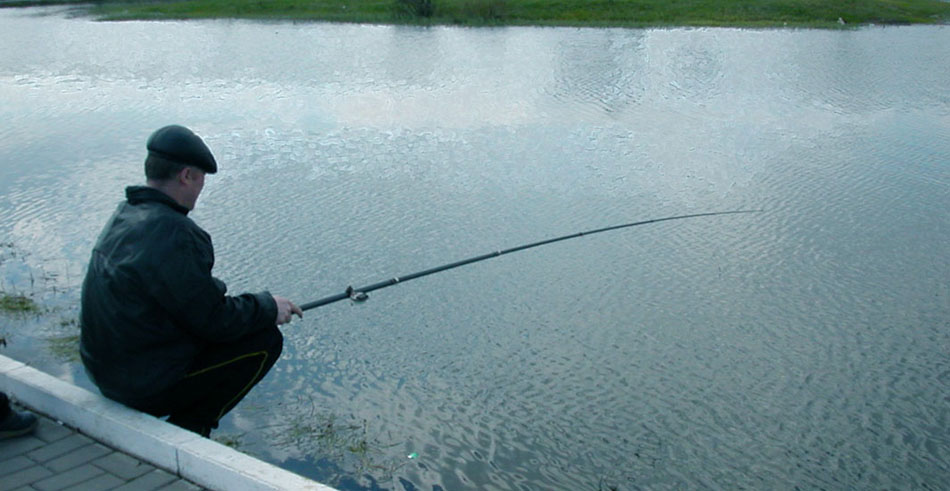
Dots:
pixel 807 345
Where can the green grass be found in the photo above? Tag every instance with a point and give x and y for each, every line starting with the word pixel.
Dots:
pixel 623 13
pixel 64 348
pixel 17 304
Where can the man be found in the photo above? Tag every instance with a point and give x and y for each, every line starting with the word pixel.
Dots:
pixel 158 331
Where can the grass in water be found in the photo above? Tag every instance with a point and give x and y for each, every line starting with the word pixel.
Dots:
pixel 620 13
pixel 345 442
pixel 17 304
pixel 230 440
pixel 65 348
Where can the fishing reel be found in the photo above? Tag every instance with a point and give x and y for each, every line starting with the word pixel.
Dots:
pixel 355 295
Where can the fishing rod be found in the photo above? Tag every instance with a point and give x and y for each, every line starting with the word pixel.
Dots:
pixel 360 294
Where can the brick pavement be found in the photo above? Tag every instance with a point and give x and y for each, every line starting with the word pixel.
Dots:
pixel 56 457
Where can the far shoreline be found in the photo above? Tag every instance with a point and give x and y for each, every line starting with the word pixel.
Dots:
pixel 762 14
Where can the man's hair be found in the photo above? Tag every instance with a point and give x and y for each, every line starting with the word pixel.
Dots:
pixel 159 169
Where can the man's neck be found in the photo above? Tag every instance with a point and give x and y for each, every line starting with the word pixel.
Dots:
pixel 168 187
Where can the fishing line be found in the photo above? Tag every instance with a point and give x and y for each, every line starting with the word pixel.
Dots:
pixel 361 294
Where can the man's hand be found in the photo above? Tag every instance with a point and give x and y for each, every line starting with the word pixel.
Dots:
pixel 286 310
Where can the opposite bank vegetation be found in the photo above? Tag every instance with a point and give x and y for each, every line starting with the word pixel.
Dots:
pixel 599 13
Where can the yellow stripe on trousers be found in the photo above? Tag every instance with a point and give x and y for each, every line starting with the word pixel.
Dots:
pixel 262 354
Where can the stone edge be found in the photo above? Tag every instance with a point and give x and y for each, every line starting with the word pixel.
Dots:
pixel 202 461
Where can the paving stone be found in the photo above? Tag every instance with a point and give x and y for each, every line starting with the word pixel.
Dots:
pixel 69 478
pixel 181 485
pixel 122 465
pixel 25 476
pixel 53 450
pixel 49 431
pixel 56 457
pixel 78 457
pixel 101 483
pixel 148 482
pixel 18 446
pixel 16 463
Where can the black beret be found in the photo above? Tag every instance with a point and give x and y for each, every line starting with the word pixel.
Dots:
pixel 179 144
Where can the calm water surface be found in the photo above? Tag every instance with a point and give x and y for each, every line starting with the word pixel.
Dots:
pixel 803 346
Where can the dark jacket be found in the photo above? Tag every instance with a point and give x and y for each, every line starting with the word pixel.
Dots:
pixel 149 302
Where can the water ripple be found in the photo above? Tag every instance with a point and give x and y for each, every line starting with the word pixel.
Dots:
pixel 804 344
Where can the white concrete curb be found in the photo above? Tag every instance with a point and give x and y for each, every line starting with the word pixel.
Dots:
pixel 202 461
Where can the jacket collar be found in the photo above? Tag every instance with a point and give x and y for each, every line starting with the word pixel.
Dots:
pixel 143 194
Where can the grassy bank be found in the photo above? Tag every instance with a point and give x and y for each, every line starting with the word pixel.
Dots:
pixel 622 13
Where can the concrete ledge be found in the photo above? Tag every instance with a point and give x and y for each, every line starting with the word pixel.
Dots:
pixel 200 460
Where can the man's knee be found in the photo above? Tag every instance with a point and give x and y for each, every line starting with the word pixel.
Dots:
pixel 273 341
pixel 269 340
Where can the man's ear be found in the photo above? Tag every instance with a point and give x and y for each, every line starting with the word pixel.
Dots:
pixel 184 175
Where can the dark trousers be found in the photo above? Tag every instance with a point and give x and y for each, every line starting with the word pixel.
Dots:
pixel 216 381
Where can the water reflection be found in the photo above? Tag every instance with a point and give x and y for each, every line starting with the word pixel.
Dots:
pixel 603 70
pixel 804 345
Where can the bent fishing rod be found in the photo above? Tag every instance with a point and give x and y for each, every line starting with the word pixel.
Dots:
pixel 360 294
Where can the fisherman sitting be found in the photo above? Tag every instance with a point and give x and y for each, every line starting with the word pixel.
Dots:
pixel 158 332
